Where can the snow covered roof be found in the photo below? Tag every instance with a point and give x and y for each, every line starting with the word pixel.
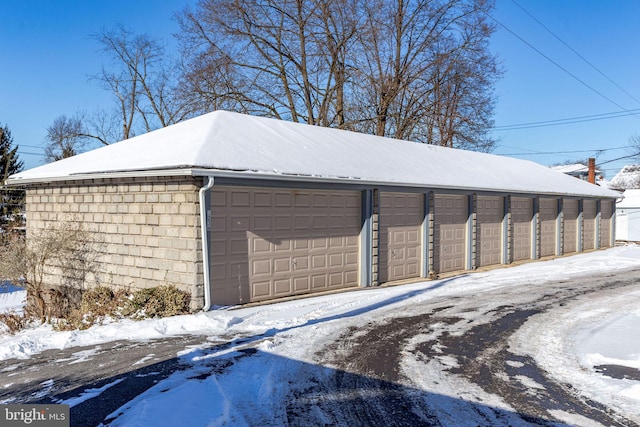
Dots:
pixel 231 144
pixel 574 169
pixel 627 177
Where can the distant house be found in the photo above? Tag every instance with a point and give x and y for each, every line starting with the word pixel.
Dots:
pixel 577 170
pixel 627 178
pixel 628 217
pixel 237 209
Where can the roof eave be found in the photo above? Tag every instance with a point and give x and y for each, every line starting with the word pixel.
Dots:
pixel 254 175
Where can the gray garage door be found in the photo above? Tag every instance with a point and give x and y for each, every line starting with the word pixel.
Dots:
pixel 570 218
pixel 589 230
pixel 450 227
pixel 521 215
pixel 269 243
pixel 490 213
pixel 606 215
pixel 548 226
pixel 401 218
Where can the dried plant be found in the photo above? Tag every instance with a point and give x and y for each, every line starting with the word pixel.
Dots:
pixel 67 251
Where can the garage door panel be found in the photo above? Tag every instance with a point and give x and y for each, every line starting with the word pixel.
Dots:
pixel 239 223
pixel 589 224
pixel 570 210
pixel 320 200
pixel 282 287
pixel 282 223
pixel 319 282
pixel 262 223
pixel 283 199
pixel 319 222
pixel 521 217
pixel 318 261
pixel 239 199
pixel 302 200
pixel 450 223
pixel 401 217
pixel 606 215
pixel 548 226
pixel 261 267
pixel 261 289
pixel 302 284
pixel 299 244
pixel 285 235
pixel 262 199
pixel 489 217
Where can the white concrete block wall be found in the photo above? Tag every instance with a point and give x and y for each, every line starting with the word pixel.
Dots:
pixel 150 228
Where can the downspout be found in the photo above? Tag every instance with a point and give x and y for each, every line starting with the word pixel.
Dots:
pixel 205 225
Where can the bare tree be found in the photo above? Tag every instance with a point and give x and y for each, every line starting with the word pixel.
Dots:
pixel 634 145
pixel 65 138
pixel 143 82
pixel 410 69
pixel 284 59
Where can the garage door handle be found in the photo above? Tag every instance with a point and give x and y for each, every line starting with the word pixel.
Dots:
pixel 293 264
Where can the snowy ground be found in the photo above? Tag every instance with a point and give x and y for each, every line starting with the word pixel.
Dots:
pixel 571 346
pixel 11 298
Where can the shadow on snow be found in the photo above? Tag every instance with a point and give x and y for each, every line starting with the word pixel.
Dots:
pixel 236 383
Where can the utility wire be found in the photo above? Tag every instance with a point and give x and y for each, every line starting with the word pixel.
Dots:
pixel 533 152
pixel 569 120
pixel 560 66
pixel 30 154
pixel 575 51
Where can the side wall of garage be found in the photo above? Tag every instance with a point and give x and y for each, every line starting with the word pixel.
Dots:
pixel 147 228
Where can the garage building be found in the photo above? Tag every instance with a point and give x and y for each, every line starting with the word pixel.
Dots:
pixel 278 209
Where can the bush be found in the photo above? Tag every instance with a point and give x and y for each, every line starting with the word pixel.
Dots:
pixel 161 301
pixel 13 322
pixel 103 302
pixel 67 250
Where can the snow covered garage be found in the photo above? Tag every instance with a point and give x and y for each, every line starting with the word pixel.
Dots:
pixel 280 209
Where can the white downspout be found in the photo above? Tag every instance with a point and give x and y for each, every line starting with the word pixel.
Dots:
pixel 205 219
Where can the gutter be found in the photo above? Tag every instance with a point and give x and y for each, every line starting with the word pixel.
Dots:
pixel 235 174
pixel 205 227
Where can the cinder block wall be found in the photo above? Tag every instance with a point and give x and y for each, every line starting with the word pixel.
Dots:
pixel 149 228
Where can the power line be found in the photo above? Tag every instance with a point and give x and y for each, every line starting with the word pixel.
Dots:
pixel 560 66
pixel 533 153
pixel 30 154
pixel 569 120
pixel 575 51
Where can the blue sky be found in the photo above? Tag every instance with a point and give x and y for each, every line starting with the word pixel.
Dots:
pixel 534 89
pixel 48 55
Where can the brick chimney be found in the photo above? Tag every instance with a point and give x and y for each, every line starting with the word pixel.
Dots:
pixel 592 171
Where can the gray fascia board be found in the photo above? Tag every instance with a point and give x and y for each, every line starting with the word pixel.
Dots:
pixel 276 177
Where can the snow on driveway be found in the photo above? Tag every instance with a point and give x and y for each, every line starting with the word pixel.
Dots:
pixel 570 347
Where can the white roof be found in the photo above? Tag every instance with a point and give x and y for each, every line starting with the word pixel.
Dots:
pixel 627 177
pixel 236 144
pixel 573 168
